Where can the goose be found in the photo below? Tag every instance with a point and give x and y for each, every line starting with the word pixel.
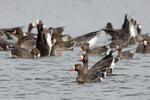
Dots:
pixel 104 66
pixel 86 78
pixel 44 41
pixel 144 47
pixel 97 51
pixel 125 54
pixel 18 52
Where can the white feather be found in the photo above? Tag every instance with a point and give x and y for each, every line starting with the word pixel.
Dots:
pixel 108 50
pixel 105 74
pixel 132 30
pixel 93 40
pixel 49 42
pixel 112 64
pixel 101 79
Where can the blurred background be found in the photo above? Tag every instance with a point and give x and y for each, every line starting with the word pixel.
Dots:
pixel 78 16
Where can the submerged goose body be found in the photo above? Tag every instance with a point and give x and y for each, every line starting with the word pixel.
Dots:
pixel 103 67
pixel 4 45
pixel 144 47
pixel 86 78
pixel 125 54
pixel 18 52
pixel 97 51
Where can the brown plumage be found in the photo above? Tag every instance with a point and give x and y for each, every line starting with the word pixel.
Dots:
pixel 144 47
pixel 18 52
pixel 122 33
pixel 125 54
pixel 86 78
pixel 97 51
pixel 25 41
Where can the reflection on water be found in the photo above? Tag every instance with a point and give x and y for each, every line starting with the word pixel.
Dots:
pixel 27 79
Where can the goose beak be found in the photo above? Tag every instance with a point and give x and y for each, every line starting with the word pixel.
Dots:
pixel 58 52
pixel 72 69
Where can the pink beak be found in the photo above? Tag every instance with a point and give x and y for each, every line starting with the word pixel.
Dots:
pixel 72 69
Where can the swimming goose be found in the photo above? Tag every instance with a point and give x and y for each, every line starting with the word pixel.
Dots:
pixel 116 42
pixel 25 41
pixel 140 37
pixel 68 45
pixel 97 51
pixel 44 41
pixel 125 54
pixel 57 33
pixel 86 78
pixel 61 45
pixel 18 52
pixel 104 66
pixel 4 45
pixel 144 47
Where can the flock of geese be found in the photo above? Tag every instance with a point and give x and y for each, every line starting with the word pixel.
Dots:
pixel 49 41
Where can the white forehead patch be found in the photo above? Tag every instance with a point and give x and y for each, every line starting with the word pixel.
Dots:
pixel 39 55
pixel 37 22
pixel 81 57
pixel 24 34
pixel 140 26
pixel 34 25
pixel 145 42
pixel 52 31
pixel 44 26
pixel 117 46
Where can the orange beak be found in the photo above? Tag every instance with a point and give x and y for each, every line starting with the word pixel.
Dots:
pixel 58 52
pixel 72 69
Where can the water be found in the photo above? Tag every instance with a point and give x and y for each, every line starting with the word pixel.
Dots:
pixel 49 78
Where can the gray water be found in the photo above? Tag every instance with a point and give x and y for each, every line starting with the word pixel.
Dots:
pixel 49 78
